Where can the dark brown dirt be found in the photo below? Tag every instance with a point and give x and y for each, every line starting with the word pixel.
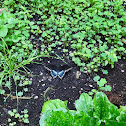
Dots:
pixel 117 79
pixel 69 88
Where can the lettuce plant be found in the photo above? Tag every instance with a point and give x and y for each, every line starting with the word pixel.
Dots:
pixel 89 112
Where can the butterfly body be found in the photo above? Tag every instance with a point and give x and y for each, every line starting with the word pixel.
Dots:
pixel 55 73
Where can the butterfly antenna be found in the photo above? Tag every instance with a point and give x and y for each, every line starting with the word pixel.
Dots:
pixel 68 69
pixel 47 68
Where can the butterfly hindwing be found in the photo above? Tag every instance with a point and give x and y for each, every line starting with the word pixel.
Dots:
pixel 54 73
pixel 61 74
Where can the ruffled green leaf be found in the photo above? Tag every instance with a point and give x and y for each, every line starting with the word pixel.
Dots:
pixel 84 103
pixel 62 117
pixel 54 104
pixel 122 117
pixel 101 106
pixel 115 123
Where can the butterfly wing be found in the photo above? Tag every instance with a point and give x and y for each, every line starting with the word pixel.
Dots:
pixel 61 74
pixel 54 73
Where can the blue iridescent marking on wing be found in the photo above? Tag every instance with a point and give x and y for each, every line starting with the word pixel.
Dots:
pixel 61 74
pixel 54 73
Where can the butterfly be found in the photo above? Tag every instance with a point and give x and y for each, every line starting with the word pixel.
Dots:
pixel 55 73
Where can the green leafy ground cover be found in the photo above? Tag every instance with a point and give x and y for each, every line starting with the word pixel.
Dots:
pixel 16 50
pixel 94 32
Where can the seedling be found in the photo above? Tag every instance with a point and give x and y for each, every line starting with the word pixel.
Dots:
pixel 18 117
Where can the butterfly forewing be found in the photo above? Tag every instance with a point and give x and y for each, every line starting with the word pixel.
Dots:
pixel 54 73
pixel 61 74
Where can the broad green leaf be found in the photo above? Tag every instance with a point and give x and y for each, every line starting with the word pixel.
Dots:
pixel 3 30
pixel 56 118
pixel 54 104
pixel 82 119
pixel 122 116
pixel 101 106
pixel 115 123
pixel 104 112
pixel 62 117
pixel 84 103
pixel 114 111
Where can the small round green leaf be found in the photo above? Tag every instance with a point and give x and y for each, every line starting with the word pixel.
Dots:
pixel 3 30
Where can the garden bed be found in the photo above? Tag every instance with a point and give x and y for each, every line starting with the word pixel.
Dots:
pixel 69 88
pixel 38 37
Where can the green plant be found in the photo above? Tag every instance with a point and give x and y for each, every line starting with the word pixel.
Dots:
pixel 95 30
pixel 89 112
pixel 15 49
pixel 102 85
pixel 10 65
pixel 18 117
pixel 99 42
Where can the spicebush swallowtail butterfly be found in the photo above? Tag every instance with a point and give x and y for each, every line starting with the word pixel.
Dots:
pixel 55 73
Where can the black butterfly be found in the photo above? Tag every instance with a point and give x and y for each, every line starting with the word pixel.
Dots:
pixel 55 73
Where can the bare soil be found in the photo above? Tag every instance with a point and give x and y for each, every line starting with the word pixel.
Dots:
pixel 44 87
